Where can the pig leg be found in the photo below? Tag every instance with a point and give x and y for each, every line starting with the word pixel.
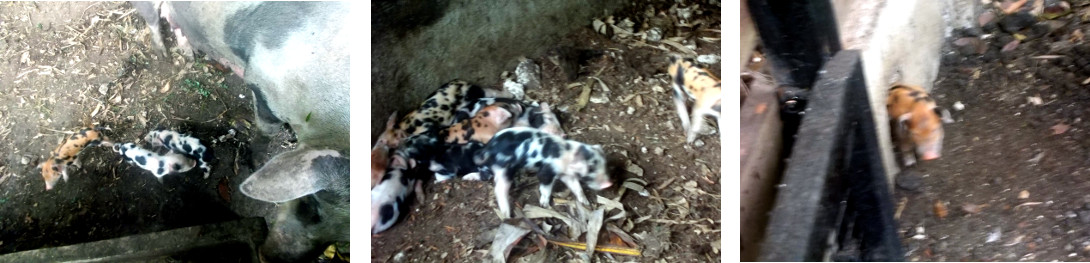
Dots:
pixel 547 177
pixel 682 111
pixel 904 144
pixel 572 181
pixel 503 190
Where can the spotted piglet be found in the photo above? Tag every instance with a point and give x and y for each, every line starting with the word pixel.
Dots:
pixel 469 136
pixel 183 144
pixel 159 164
pixel 540 116
pixel 517 149
pixel 56 167
pixel 390 198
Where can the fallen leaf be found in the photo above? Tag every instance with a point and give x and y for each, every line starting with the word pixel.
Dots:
pixel 1060 128
pixel 986 17
pixel 1035 100
pixel 506 238
pixel 973 208
pixel 1024 194
pixel 940 209
pixel 1010 46
pixel 1011 7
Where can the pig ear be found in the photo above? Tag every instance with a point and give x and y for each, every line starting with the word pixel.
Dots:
pixel 945 115
pixel 390 122
pixel 298 173
pixel 902 121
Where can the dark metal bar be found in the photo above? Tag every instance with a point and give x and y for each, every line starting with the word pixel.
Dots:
pixel 798 37
pixel 833 197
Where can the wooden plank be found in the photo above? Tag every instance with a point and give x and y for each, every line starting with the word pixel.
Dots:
pixel 761 145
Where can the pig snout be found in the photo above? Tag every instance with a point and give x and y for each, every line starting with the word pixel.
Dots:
pixel 929 156
pixel 929 150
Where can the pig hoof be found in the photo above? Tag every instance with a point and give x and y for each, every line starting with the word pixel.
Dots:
pixel 909 161
pixel 544 202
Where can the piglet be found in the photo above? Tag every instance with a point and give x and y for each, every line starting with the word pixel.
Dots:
pixel 183 144
pixel 516 149
pixel 158 164
pixel 66 154
pixel 916 123
pixel 391 197
pixel 380 152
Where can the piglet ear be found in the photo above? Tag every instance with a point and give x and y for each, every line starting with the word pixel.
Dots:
pixel 945 115
pixel 390 122
pixel 298 173
pixel 902 121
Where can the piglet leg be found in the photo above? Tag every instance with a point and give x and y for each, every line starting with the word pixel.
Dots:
pixel 503 189
pixel 576 189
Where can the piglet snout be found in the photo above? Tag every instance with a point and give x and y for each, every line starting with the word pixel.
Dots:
pixel 927 156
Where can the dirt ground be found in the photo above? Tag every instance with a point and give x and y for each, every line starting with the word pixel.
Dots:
pixel 66 65
pixel 1012 183
pixel 678 222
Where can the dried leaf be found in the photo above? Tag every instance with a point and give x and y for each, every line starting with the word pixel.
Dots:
pixel 940 209
pixel 506 238
pixel 594 225
pixel 1010 46
pixel 584 97
pixel 165 88
pixel 986 17
pixel 1011 7
pixel 634 169
pixel 973 208
pixel 1060 128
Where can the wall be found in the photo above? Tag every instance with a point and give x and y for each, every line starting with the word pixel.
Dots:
pixel 418 46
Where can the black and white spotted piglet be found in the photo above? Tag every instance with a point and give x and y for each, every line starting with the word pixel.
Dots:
pixel 159 164
pixel 516 149
pixel 183 144
pixel 391 197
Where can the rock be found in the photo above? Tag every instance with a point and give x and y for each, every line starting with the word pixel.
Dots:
pixel 1056 9
pixel 599 98
pixel 708 59
pixel 909 181
pixel 516 89
pixel 1038 30
pixel 659 151
pixel 1015 22
pixel 698 143
pixel 654 34
pixel 1084 216
pixel 528 73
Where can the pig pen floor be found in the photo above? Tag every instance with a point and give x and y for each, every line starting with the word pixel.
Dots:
pixel 638 124
pixel 1012 184
pixel 66 65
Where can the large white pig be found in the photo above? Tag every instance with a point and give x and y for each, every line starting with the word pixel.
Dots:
pixel 294 56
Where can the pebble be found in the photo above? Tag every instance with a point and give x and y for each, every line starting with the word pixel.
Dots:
pixel 1084 217
pixel 527 73
pixel 909 181
pixel 1069 247
pixel 24 160
pixel 660 151
pixel 708 59
pixel 1014 22
pixel 698 143
pixel 1070 214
